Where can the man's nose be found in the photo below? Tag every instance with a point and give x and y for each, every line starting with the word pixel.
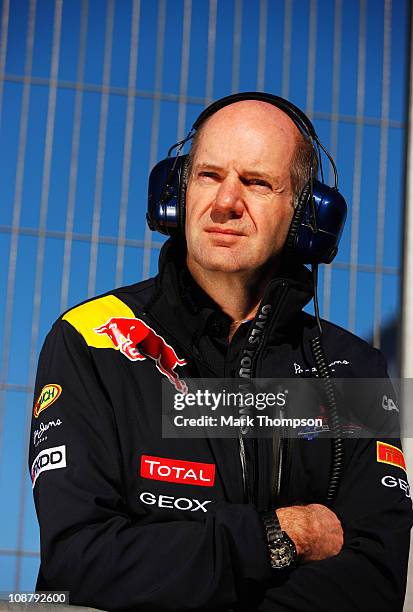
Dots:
pixel 228 203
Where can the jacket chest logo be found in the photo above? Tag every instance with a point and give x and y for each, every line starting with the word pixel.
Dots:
pixel 137 341
pixel 178 471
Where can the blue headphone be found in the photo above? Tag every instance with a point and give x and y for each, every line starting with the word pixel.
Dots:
pixel 319 215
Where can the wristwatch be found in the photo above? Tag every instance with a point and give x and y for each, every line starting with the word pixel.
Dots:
pixel 281 548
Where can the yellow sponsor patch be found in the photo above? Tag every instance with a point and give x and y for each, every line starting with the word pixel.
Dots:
pixel 48 395
pixel 387 453
pixel 86 317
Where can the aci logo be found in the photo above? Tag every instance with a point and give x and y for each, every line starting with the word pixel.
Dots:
pixel 48 459
pixel 48 395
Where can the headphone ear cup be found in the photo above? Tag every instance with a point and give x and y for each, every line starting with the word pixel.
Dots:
pixel 166 195
pixel 295 224
pixel 317 224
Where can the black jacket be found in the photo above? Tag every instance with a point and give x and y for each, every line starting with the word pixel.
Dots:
pixel 131 521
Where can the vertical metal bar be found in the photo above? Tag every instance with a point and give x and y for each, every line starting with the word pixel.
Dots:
pixel 100 164
pixel 212 33
pixel 333 132
pixel 287 48
pixel 262 45
pixel 74 158
pixel 183 84
pixel 384 142
pixel 312 48
pixel 358 154
pixel 17 206
pixel 3 48
pixel 44 203
pixel 236 46
pixel 128 136
pixel 406 296
pixel 155 121
pixel 406 335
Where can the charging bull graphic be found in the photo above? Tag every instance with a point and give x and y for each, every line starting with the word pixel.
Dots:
pixel 137 341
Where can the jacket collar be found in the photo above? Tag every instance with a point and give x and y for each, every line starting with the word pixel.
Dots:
pixel 186 311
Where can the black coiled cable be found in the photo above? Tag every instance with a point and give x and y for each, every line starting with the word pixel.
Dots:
pixel 324 372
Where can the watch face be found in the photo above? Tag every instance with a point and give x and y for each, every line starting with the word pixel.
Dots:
pixel 282 553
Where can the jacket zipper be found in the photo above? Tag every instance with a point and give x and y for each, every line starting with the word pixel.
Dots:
pixel 283 448
pixel 243 465
pixel 249 497
pixel 243 459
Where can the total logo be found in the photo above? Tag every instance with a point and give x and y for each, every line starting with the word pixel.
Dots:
pixel 178 471
pixel 48 395
pixel 168 501
pixel 48 459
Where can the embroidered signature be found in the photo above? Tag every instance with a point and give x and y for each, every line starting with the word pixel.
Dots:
pixel 38 434
pixel 298 369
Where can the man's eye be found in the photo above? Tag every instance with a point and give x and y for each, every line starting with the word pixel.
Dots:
pixel 208 175
pixel 259 183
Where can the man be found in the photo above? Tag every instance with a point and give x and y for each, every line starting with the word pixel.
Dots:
pixel 130 520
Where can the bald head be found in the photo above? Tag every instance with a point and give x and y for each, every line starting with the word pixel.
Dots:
pixel 256 116
pixel 251 111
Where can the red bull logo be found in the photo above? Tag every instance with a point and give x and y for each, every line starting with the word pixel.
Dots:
pixel 137 341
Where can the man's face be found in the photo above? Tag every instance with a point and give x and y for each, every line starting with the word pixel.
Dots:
pixel 239 201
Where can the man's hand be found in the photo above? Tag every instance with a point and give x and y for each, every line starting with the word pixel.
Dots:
pixel 314 529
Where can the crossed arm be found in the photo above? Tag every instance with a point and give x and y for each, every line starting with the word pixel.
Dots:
pixel 315 530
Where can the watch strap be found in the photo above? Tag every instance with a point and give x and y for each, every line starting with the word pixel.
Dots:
pixel 272 525
pixel 281 548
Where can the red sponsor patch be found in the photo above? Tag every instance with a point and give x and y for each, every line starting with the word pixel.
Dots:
pixel 386 453
pixel 176 470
